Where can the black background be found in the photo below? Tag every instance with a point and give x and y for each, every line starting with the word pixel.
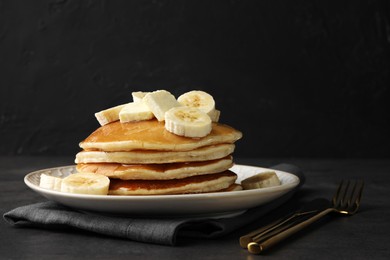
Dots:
pixel 298 78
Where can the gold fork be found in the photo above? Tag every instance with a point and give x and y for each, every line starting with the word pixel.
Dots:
pixel 346 201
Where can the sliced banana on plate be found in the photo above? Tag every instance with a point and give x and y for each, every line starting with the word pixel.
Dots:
pixel 261 180
pixel 50 182
pixel 86 183
pixel 187 121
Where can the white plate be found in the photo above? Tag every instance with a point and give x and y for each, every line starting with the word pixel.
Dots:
pixel 214 203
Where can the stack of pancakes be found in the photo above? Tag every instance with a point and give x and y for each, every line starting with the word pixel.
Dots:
pixel 143 158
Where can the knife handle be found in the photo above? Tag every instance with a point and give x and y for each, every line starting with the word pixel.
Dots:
pixel 257 248
pixel 245 240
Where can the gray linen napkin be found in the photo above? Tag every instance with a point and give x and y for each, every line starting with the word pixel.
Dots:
pixel 166 231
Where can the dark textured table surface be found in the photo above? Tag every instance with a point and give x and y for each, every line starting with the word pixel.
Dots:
pixel 362 236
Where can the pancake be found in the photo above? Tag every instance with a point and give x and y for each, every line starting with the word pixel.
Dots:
pixel 233 187
pixel 151 157
pixel 156 171
pixel 152 135
pixel 194 184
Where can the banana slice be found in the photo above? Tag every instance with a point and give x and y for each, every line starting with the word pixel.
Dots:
pixel 50 182
pixel 109 115
pixel 135 111
pixel 198 99
pixel 159 102
pixel 214 115
pixel 86 183
pixel 187 121
pixel 138 95
pixel 261 180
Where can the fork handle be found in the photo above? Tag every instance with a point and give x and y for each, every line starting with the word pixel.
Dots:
pixel 257 248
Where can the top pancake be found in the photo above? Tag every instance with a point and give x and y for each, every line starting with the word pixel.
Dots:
pixel 152 135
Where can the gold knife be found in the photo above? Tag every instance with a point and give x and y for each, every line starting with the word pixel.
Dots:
pixel 306 211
